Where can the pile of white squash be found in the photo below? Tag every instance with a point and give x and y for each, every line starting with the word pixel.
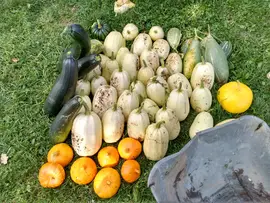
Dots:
pixel 143 90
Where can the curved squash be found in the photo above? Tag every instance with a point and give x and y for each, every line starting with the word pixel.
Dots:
pixel 64 87
pixel 62 124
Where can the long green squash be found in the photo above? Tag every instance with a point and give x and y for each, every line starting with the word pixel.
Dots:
pixel 192 56
pixel 217 57
pixel 64 87
pixel 79 34
pixel 88 63
pixel 73 50
pixel 62 123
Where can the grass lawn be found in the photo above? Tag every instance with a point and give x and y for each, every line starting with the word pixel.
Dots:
pixel 30 33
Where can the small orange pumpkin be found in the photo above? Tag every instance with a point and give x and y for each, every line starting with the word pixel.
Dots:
pixel 108 157
pixel 60 153
pixel 83 170
pixel 107 183
pixel 51 175
pixel 129 148
pixel 130 171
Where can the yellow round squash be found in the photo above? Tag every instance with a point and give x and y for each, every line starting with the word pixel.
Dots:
pixel 235 97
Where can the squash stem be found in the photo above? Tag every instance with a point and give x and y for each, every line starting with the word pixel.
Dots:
pixel 196 35
pixel 201 32
pixel 238 85
pixel 144 63
pixel 113 56
pixel 99 24
pixel 114 107
pixel 203 61
pixel 180 87
pixel 158 124
pixel 139 110
pixel 154 79
pixel 87 110
pixel 162 62
pixel 164 107
pixel 120 69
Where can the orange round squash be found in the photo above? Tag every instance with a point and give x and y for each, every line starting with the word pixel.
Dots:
pixel 83 170
pixel 107 183
pixel 108 157
pixel 235 97
pixel 51 175
pixel 129 148
pixel 130 171
pixel 60 153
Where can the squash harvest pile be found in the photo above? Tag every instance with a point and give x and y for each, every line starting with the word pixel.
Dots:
pixel 106 89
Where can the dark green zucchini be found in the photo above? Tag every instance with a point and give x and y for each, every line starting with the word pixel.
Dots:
pixel 88 63
pixel 64 87
pixel 78 33
pixel 73 50
pixel 62 123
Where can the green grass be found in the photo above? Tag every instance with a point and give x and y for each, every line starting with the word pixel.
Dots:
pixel 30 31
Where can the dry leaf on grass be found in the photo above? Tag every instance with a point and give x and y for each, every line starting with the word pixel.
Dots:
pixel 4 159
pixel 14 60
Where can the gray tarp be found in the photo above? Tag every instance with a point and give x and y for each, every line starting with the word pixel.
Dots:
pixel 225 164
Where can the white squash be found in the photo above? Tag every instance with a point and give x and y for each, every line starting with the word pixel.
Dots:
pixel 104 98
pixel 86 133
pixel 156 32
pixel 128 101
pixel 141 42
pixel 178 101
pixel 110 67
pixel 151 59
pixel 121 54
pixel 113 42
pixel 130 63
pixel 203 71
pixel 201 99
pixel 157 89
pixel 83 87
pixel 137 123
pixel 202 121
pixel 177 78
pixel 96 83
pixel 113 124
pixel 151 108
pixel 145 73
pixel 130 31
pixel 156 141
pixel 120 80
pixel 174 63
pixel 88 102
pixel 96 71
pixel 138 86
pixel 171 121
pixel 162 48
pixel 163 71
